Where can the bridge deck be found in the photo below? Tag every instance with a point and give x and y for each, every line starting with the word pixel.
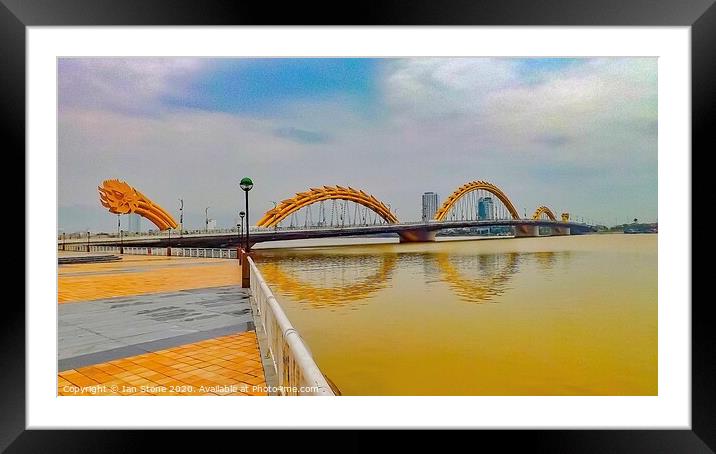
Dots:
pixel 231 240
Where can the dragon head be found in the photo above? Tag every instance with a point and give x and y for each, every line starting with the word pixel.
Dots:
pixel 121 198
pixel 118 197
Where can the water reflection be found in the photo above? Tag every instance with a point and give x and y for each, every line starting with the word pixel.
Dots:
pixel 545 260
pixel 342 283
pixel 478 278
pixel 335 280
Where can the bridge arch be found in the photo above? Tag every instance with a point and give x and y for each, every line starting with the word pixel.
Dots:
pixel 474 186
pixel 544 210
pixel 302 199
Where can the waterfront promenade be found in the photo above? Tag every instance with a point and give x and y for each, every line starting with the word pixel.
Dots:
pixel 145 325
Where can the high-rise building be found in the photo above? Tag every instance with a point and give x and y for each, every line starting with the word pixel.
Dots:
pixel 134 223
pixel 485 208
pixel 212 224
pixel 430 205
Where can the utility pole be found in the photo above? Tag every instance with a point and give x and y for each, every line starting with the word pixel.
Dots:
pixel 206 218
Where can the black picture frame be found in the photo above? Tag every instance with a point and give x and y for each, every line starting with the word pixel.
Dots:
pixel 700 15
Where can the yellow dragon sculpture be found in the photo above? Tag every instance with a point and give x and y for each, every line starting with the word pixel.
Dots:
pixel 121 198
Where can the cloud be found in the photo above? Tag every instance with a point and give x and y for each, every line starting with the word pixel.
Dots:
pixel 128 85
pixel 196 155
pixel 301 135
pixel 430 87
pixel 552 140
pixel 499 102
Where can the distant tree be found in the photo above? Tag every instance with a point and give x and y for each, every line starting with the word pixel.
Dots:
pixel 635 220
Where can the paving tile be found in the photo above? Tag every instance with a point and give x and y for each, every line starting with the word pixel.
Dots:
pixel 157 370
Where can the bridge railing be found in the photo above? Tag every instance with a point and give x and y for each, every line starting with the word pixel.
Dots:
pixel 206 252
pixel 218 253
pixel 296 371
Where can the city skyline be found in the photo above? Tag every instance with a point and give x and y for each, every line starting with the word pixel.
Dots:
pixel 573 134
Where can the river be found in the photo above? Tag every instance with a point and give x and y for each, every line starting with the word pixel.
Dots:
pixel 571 315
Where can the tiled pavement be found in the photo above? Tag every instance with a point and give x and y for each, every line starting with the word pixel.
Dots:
pixel 138 274
pixel 167 324
pixel 227 365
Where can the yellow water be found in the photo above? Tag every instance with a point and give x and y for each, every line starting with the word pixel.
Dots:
pixel 574 315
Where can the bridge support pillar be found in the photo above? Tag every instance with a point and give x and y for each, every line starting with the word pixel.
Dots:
pixel 559 231
pixel 526 231
pixel 416 236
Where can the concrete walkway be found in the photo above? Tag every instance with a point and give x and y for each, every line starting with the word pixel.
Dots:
pixel 144 324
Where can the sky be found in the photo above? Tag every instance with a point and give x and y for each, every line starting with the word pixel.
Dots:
pixel 575 134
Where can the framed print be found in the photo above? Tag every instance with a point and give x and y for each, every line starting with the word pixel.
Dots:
pixel 431 216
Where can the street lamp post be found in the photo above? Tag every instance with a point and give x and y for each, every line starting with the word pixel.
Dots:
pixel 121 241
pixel 181 217
pixel 206 218
pixel 246 184
pixel 241 232
pixel 88 241
pixel 63 241
pixel 275 226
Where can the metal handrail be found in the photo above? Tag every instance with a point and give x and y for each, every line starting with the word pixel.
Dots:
pixel 296 371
